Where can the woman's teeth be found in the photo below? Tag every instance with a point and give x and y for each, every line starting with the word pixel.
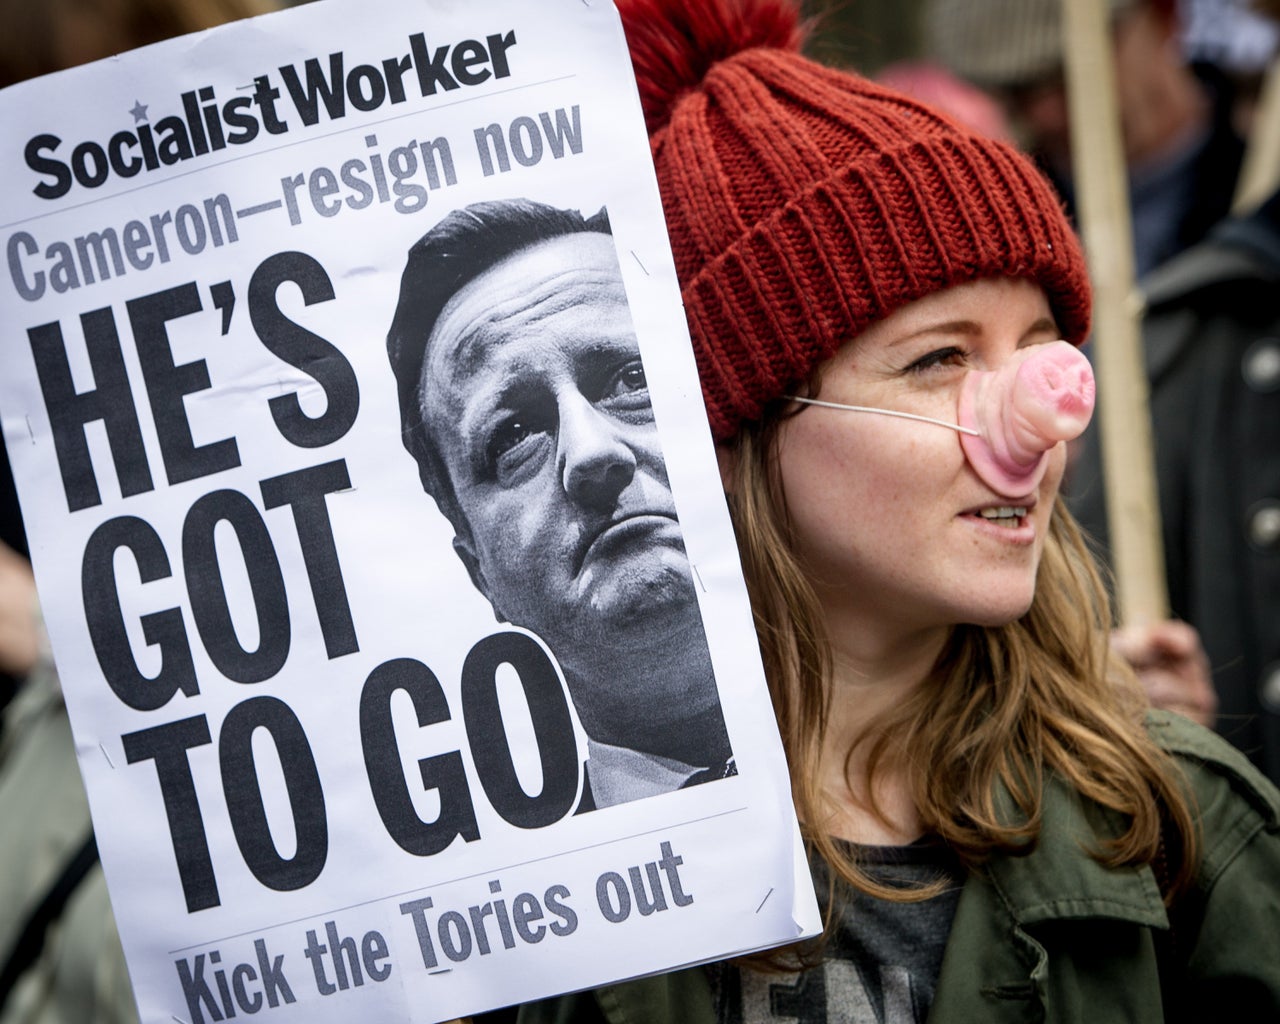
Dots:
pixel 1004 515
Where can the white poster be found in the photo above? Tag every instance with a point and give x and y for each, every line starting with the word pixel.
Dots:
pixel 376 520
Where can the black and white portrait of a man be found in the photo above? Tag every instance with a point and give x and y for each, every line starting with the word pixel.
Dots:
pixel 524 401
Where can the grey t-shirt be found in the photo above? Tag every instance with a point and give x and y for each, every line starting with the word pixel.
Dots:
pixel 882 964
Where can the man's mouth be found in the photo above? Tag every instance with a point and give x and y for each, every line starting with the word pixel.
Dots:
pixel 1010 516
pixel 633 528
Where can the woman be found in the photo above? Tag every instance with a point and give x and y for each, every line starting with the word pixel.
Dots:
pixel 997 822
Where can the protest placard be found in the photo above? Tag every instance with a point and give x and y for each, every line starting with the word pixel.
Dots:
pixel 376 520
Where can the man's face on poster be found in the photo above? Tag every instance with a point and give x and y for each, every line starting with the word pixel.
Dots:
pixel 538 403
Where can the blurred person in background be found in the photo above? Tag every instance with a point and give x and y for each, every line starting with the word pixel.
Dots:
pixel 17 638
pixel 41 38
pixel 60 957
pixel 1211 341
pixel 1180 146
pixel 929 82
pixel 1237 38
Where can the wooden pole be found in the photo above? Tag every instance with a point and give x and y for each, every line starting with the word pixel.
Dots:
pixel 1260 173
pixel 1133 511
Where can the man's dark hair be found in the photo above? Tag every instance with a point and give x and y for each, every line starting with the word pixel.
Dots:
pixel 454 252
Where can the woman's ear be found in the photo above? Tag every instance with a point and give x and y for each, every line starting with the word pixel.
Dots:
pixel 727 460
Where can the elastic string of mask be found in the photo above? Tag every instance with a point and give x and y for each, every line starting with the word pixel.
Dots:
pixel 884 412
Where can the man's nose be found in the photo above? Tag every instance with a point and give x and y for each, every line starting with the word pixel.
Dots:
pixel 596 463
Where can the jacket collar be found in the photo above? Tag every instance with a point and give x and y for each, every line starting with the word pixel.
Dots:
pixel 1058 879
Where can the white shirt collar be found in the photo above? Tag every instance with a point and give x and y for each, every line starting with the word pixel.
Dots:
pixel 620 774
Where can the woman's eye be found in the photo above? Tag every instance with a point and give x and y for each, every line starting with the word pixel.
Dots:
pixel 949 356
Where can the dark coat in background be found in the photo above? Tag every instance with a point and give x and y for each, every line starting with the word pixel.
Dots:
pixel 1212 348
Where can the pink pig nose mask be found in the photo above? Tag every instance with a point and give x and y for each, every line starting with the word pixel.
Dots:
pixel 1011 417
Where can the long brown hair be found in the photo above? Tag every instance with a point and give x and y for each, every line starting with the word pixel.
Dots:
pixel 1003 708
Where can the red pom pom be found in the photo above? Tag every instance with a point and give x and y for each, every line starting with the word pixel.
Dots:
pixel 674 43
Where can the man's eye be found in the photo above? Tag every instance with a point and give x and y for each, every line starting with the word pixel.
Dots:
pixel 627 382
pixel 508 435
pixel 520 437
pixel 632 378
pixel 949 356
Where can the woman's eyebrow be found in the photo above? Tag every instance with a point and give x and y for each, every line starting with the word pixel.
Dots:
pixel 968 328
pixel 1045 325
pixel 971 328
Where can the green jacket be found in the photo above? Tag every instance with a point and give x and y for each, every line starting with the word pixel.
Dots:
pixel 77 974
pixel 1053 936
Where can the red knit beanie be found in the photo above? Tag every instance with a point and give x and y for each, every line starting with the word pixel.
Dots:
pixel 804 204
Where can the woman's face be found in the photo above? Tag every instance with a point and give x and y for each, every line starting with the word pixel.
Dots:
pixel 897 531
